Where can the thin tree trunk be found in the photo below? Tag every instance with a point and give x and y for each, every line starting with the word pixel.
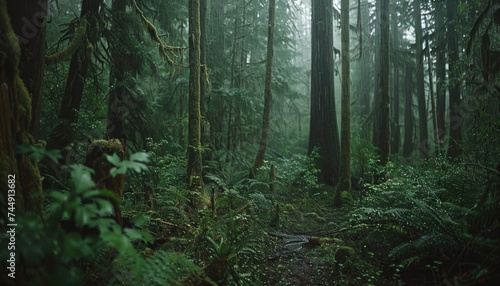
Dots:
pixel 396 138
pixel 268 96
pixel 384 97
pixel 376 91
pixel 440 76
pixel 455 113
pixel 422 110
pixel 345 129
pixel 116 106
pixel 216 62
pixel 194 166
pixel 431 89
pixel 408 139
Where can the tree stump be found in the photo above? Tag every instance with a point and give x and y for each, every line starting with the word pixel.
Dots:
pixel 96 160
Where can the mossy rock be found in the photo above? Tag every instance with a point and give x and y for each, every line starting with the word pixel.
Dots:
pixel 344 254
pixel 346 198
pixel 316 217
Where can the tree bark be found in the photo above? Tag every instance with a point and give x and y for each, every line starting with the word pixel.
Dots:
pixel 268 95
pixel 323 133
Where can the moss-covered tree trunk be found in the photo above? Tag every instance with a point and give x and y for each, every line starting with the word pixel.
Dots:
pixel 345 127
pixel 194 167
pixel 63 133
pixel 29 19
pixel 16 171
pixel 268 95
pixel 323 133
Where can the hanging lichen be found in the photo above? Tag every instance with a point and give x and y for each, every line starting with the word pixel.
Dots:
pixel 163 49
pixel 74 44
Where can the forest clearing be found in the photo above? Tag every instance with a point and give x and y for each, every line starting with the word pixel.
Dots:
pixel 250 142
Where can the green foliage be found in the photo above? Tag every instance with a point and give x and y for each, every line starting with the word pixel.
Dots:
pixel 300 171
pixel 136 162
pixel 408 218
pixel 364 159
pixel 162 268
pixel 36 154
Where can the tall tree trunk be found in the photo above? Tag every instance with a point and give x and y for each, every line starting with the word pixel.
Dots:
pixel 423 145
pixel 19 175
pixel 440 75
pixel 216 62
pixel 323 132
pixel 203 57
pixel 268 95
pixel 345 128
pixel 376 90
pixel 396 138
pixel 29 20
pixel 230 134
pixel 431 90
pixel 194 167
pixel 117 90
pixel 455 113
pixel 364 57
pixel 63 133
pixel 408 139
pixel 384 97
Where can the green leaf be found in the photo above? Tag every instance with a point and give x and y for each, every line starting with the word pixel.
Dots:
pixel 81 177
pixel 140 157
pixel 36 153
pixel 135 234
pixel 135 163
pixel 140 219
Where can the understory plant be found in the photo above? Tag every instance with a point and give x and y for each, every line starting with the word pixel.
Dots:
pixel 406 221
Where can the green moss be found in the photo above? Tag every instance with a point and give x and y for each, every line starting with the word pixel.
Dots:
pixel 24 103
pixel 107 147
pixel 290 207
pixel 316 217
pixel 344 254
pixel 73 45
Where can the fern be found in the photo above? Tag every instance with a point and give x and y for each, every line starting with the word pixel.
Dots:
pixel 163 268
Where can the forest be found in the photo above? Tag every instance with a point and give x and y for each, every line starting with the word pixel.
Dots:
pixel 250 142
